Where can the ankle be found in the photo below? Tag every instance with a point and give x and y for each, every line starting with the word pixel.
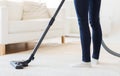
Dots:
pixel 95 61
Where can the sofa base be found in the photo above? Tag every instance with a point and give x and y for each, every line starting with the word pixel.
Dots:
pixel 3 47
pixel 62 39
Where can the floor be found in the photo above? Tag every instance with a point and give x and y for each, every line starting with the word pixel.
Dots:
pixel 54 59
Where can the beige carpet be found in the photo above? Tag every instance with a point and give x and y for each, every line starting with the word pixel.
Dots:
pixel 54 59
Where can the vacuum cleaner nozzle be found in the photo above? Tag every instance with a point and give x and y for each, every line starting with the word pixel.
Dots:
pixel 18 64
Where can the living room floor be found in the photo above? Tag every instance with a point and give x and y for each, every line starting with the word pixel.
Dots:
pixel 55 59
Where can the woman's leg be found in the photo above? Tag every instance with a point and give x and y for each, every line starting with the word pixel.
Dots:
pixel 81 7
pixel 94 9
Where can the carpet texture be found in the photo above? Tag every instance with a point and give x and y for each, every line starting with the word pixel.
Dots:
pixel 54 59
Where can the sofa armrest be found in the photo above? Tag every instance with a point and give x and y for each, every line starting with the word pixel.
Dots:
pixel 3 24
pixel 61 13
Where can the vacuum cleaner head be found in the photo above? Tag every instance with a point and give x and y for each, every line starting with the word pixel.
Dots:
pixel 19 64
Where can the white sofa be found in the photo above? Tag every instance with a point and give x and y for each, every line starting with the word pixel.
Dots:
pixel 26 21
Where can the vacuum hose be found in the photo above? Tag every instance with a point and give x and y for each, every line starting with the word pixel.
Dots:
pixel 109 50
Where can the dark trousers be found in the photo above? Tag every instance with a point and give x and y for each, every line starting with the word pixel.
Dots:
pixel 88 11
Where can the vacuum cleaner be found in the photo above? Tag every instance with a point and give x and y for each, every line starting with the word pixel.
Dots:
pixel 22 64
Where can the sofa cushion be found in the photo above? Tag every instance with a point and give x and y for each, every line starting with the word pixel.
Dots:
pixel 32 25
pixel 27 25
pixel 34 10
pixel 15 10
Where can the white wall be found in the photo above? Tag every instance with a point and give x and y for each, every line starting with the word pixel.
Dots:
pixel 116 14
pixel 110 11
